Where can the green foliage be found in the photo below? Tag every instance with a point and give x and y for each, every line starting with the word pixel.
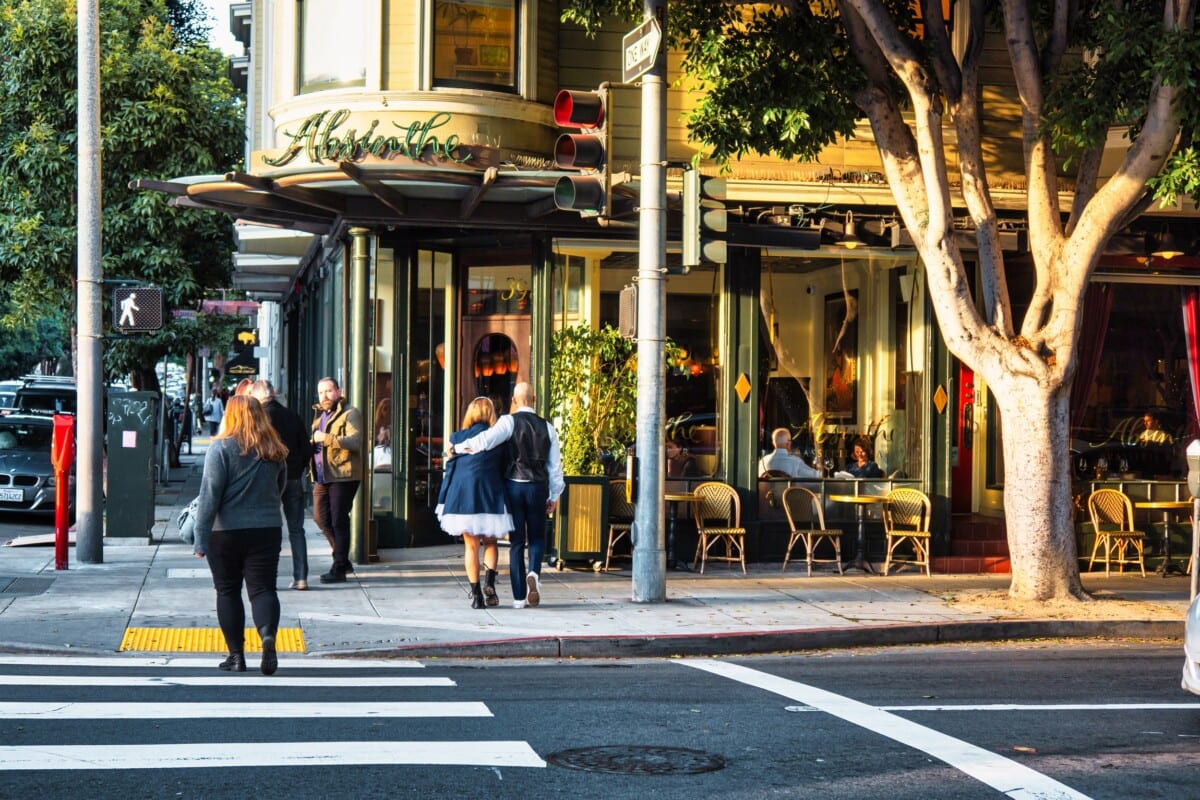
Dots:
pixel 168 109
pixel 26 342
pixel 593 394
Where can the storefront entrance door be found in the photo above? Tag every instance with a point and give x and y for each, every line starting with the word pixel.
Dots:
pixel 963 462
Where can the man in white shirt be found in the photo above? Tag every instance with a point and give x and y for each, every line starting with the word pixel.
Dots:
pixel 535 481
pixel 782 460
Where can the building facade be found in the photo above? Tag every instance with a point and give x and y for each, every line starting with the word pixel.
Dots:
pixel 397 205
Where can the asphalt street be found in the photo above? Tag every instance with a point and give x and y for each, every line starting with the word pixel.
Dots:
pixel 1039 719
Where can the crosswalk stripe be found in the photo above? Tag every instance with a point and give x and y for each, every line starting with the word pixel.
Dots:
pixel 116 711
pixel 226 680
pixel 194 662
pixel 268 754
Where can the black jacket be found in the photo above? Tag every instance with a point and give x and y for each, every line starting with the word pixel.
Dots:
pixel 294 433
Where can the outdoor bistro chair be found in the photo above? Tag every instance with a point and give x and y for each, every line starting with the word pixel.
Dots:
pixel 620 517
pixel 906 518
pixel 1112 520
pixel 806 518
pixel 718 513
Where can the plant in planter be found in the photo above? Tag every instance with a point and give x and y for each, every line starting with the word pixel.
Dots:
pixel 593 402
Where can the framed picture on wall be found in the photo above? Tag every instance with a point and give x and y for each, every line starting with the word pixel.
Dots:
pixel 841 357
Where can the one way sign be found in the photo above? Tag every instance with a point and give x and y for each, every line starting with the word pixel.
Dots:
pixel 137 309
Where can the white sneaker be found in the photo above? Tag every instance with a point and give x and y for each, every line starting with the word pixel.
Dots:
pixel 533 595
pixel 518 603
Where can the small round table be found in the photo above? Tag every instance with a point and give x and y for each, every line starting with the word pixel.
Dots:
pixel 1166 506
pixel 674 498
pixel 860 503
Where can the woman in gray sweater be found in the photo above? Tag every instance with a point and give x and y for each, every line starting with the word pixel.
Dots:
pixel 239 526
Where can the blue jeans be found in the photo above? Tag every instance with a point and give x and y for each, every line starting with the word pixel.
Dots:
pixel 527 504
pixel 293 512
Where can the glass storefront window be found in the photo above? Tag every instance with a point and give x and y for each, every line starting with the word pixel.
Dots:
pixel 691 418
pixel 475 43
pixel 333 44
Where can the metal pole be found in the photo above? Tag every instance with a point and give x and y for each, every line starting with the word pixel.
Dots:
pixel 360 267
pixel 89 542
pixel 649 529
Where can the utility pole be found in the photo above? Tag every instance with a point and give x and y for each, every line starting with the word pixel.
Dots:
pixel 89 542
pixel 649 529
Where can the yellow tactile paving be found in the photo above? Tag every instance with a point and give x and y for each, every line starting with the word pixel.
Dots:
pixel 204 640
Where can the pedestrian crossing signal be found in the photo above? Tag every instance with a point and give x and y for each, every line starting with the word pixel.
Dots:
pixel 137 309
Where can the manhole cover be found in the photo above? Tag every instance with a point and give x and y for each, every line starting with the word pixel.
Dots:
pixel 637 760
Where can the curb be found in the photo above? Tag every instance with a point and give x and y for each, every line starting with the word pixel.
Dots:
pixel 757 643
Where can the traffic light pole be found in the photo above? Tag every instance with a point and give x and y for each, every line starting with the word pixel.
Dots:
pixel 649 528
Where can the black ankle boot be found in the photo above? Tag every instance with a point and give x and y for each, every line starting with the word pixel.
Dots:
pixel 234 662
pixel 270 661
pixel 489 589
pixel 476 596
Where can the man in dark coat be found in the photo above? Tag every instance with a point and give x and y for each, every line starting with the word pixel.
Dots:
pixel 294 433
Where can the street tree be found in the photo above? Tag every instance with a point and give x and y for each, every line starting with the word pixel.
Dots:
pixel 167 109
pixel 791 78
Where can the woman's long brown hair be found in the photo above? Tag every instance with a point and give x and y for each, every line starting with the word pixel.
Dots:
pixel 246 423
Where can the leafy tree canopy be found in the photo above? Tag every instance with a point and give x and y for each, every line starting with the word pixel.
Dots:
pixel 167 109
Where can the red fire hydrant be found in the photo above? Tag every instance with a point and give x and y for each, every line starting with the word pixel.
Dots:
pixel 62 457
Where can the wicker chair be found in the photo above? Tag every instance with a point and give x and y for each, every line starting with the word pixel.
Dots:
pixel 620 517
pixel 806 518
pixel 1112 519
pixel 718 512
pixel 906 517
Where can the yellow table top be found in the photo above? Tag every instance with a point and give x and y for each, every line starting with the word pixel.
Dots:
pixel 678 497
pixel 863 499
pixel 1165 505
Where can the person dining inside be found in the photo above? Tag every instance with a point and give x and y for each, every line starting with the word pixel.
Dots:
pixel 861 465
pixel 680 463
pixel 781 459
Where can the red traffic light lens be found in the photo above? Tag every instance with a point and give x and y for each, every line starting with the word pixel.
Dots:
pixel 578 109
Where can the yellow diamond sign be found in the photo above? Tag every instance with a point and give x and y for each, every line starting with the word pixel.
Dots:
pixel 742 387
pixel 940 399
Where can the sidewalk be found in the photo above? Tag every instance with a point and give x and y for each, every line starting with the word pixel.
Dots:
pixel 414 603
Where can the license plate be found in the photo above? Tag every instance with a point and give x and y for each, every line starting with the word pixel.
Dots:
pixel 12 495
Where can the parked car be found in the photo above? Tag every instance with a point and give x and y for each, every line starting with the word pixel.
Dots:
pixel 48 394
pixel 27 480
pixel 1191 648
pixel 8 393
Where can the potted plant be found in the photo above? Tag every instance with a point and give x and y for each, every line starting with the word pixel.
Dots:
pixel 593 402
pixel 459 16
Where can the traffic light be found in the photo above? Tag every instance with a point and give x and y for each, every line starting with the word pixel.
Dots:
pixel 704 219
pixel 590 192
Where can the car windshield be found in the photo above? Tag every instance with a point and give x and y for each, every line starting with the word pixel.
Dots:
pixel 24 436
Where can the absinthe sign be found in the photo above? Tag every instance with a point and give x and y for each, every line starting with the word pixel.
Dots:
pixel 321 138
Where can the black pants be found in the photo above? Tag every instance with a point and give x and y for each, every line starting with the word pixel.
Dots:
pixel 251 554
pixel 331 511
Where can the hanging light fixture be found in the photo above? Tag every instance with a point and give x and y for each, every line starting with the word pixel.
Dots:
pixel 850 238
pixel 1164 244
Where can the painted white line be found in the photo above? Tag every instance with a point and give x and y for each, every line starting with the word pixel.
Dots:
pixel 227 680
pixel 268 754
pixel 1058 707
pixel 205 662
pixel 177 572
pixel 1005 775
pixel 43 710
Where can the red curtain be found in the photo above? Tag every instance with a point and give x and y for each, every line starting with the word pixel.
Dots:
pixel 1191 325
pixel 1097 304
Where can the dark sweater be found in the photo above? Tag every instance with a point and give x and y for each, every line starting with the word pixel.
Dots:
pixel 294 433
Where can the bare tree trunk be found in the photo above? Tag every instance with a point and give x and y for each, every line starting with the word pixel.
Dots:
pixel 1037 491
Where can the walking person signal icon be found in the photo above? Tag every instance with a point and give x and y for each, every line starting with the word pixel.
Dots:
pixel 137 309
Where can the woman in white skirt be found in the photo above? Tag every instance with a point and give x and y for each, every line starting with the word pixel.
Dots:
pixel 471 501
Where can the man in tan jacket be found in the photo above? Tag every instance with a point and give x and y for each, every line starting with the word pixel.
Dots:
pixel 337 468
